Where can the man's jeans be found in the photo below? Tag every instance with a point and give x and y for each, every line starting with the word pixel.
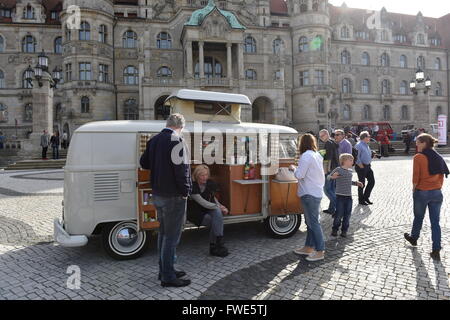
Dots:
pixel 171 216
pixel 330 191
pixel 433 200
pixel 344 206
pixel 314 235
pixel 55 153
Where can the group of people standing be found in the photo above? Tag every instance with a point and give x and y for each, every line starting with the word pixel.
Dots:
pixel 54 142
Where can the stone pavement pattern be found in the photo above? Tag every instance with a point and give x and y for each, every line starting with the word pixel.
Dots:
pixel 374 262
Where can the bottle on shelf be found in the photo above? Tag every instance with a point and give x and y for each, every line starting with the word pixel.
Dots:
pixel 246 171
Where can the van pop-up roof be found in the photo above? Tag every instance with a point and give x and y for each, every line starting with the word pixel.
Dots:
pixel 198 105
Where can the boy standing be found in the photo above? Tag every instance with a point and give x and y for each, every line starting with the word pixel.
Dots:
pixel 343 176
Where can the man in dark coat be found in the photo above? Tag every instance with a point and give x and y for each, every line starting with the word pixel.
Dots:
pixel 170 178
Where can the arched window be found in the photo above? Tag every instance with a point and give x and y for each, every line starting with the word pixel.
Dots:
pixel 303 44
pixel 365 86
pixel 420 39
pixel 164 41
pixel 404 87
pixel 277 45
pixel 130 110
pixel 29 44
pixel 303 6
pixel 346 85
pixel 365 59
pixel 129 39
pixel 386 113
pixel 28 113
pixel 321 106
pixel 2 44
pixel 250 74
pixel 405 113
pixel 2 80
pixel 28 12
pixel 58 45
pixel 403 61
pixel 25 83
pixel 438 112
pixel 421 62
pixel 385 62
pixel 345 32
pixel 250 45
pixel 131 75
pixel 164 72
pixel 386 87
pixel 345 57
pixel 103 33
pixel 347 112
pixel 438 90
pixel 85 31
pixel 85 102
pixel 366 112
pixel 437 64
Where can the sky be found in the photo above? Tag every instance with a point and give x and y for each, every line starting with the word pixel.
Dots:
pixel 432 8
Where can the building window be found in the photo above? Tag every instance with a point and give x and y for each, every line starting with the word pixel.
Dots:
pixel 345 57
pixel 363 35
pixel 250 45
pixel 129 39
pixel 386 113
pixel 438 90
pixel 28 113
pixel 212 68
pixel 103 33
pixel 5 13
pixel 403 61
pixel 2 44
pixel 435 42
pixel 277 45
pixel 346 85
pixel 304 78
pixel 405 113
pixel 58 45
pixel 68 33
pixel 385 62
pixel 131 76
pixel 437 64
pixel 85 31
pixel 346 114
pixel 29 44
pixel 28 12
pixel 404 87
pixel 345 32
pixel 303 6
pixel 85 71
pixel 103 73
pixel 25 83
pixel 54 15
pixel 384 36
pixel 164 41
pixel 2 80
pixel 319 77
pixel 366 112
pixel 303 44
pixel 366 86
pixel 400 38
pixel 164 72
pixel 277 75
pixel 3 113
pixel 68 72
pixel 365 59
pixel 386 87
pixel 250 74
pixel 421 62
pixel 321 106
pixel 131 110
pixel 420 39
pixel 85 105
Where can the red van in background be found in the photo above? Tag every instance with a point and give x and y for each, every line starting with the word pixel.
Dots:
pixel 382 126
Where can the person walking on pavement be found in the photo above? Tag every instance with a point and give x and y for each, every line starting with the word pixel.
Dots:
pixel 364 169
pixel 54 142
pixel 45 141
pixel 385 144
pixel 429 169
pixel 344 145
pixel 331 162
pixel 407 141
pixel 311 180
pixel 166 157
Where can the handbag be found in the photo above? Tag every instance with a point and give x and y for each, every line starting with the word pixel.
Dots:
pixel 285 175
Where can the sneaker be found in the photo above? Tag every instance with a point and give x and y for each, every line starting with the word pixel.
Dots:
pixel 436 255
pixel 410 239
pixel 316 256
pixel 303 251
pixel 334 233
pixel 344 234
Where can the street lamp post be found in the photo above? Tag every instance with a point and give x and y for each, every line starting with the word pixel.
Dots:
pixel 420 86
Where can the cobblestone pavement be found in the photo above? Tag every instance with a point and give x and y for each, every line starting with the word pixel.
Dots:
pixel 374 262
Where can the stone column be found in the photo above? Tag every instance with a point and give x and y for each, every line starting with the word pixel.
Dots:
pixel 240 61
pixel 201 59
pixel 189 62
pixel 229 62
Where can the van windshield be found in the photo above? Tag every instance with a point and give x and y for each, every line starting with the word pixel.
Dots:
pixel 288 146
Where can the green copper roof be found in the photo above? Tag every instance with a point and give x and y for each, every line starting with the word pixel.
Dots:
pixel 199 15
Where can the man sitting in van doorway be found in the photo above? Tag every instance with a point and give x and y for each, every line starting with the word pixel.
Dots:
pixel 170 180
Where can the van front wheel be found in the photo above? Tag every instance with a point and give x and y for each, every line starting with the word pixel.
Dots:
pixel 282 227
pixel 122 241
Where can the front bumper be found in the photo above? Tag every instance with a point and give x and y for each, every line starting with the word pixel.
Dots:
pixel 64 239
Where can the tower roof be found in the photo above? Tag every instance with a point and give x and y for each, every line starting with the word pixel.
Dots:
pixel 198 16
pixel 278 7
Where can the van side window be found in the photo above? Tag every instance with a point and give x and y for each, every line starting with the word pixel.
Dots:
pixel 211 108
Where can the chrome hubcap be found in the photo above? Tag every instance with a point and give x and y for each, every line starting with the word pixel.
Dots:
pixel 125 239
pixel 283 224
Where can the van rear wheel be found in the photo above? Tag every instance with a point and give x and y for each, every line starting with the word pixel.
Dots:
pixel 123 241
pixel 281 227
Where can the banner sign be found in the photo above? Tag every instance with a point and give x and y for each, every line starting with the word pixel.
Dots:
pixel 442 130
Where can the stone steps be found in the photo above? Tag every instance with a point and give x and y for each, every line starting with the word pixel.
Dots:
pixel 37 165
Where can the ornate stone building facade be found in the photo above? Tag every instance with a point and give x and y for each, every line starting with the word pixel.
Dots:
pixel 303 63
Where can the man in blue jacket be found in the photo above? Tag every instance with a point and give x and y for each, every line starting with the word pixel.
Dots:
pixel 170 178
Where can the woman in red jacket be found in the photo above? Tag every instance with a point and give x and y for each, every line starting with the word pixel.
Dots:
pixel 385 144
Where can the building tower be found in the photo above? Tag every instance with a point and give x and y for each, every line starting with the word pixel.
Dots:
pixel 311 39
